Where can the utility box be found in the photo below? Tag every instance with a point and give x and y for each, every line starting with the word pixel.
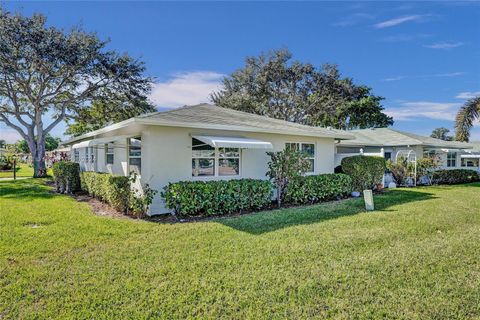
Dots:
pixel 368 198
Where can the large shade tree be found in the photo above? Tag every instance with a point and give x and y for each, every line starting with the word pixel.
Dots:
pixel 273 85
pixel 442 134
pixel 48 75
pixel 466 117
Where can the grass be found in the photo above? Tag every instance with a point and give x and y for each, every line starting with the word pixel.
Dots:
pixel 417 257
pixel 23 170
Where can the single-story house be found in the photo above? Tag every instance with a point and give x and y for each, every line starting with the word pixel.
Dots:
pixel 201 142
pixel 390 143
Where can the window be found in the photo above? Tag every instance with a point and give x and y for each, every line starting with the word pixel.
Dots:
pixel 208 161
pixel 135 155
pixel 109 153
pixel 451 159
pixel 308 149
pixel 470 162
pixel 76 155
pixel 387 156
pixel 229 162
pixel 87 154
pixel 92 155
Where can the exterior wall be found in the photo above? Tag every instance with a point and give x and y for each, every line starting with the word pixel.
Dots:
pixel 167 156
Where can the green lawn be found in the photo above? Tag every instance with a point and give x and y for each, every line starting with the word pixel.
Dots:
pixel 417 257
pixel 23 170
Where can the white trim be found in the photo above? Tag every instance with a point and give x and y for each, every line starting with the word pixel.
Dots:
pixel 234 142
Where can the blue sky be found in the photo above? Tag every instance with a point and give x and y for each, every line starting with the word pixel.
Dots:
pixel 423 57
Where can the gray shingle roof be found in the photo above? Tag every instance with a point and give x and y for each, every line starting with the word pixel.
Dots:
pixel 211 116
pixel 390 137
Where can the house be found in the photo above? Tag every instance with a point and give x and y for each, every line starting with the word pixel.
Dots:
pixel 201 142
pixel 390 143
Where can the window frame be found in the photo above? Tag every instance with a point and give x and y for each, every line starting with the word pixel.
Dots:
pixel 134 157
pixel 76 155
pixel 314 158
pixel 216 162
pixel 107 153
pixel 451 161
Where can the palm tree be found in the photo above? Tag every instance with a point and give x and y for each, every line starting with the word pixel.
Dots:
pixel 466 116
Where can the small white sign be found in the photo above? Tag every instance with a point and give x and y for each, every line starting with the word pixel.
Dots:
pixel 368 198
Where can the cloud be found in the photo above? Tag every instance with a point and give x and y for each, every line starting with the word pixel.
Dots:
pixel 397 21
pixel 186 88
pixel 444 45
pixel 8 134
pixel 424 109
pixel 437 75
pixel 353 19
pixel 467 95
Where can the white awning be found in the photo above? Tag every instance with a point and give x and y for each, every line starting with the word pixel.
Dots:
pixel 470 156
pixel 96 142
pixel 234 142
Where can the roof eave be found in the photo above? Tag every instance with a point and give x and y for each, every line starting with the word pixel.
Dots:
pixel 109 128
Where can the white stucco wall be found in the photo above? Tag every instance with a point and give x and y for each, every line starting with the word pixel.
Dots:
pixel 167 156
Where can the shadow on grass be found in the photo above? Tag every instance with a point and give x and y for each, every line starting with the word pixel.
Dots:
pixel 25 190
pixel 264 222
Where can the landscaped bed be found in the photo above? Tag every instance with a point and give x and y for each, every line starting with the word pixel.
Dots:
pixel 415 257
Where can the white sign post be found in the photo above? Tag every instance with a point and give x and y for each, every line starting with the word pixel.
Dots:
pixel 368 198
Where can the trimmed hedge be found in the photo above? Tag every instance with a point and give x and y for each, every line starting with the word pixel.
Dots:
pixel 114 190
pixel 365 171
pixel 455 176
pixel 316 188
pixel 66 175
pixel 206 198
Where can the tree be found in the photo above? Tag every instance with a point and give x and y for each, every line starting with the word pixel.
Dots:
pixel 442 134
pixel 51 143
pixel 274 86
pixel 105 112
pixel 46 70
pixel 466 116
pixel 284 166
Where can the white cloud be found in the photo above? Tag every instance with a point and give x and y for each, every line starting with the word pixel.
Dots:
pixel 186 88
pixel 467 95
pixel 353 19
pixel 9 135
pixel 437 75
pixel 444 45
pixel 424 109
pixel 397 21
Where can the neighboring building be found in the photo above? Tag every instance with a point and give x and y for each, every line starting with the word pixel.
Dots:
pixel 389 143
pixel 202 142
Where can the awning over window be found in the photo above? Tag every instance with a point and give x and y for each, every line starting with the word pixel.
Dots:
pixel 234 142
pixel 470 156
pixel 96 142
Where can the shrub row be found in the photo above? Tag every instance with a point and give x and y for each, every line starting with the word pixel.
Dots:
pixel 114 190
pixel 365 171
pixel 66 175
pixel 455 176
pixel 313 189
pixel 205 198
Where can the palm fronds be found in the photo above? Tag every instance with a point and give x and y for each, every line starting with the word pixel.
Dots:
pixel 465 118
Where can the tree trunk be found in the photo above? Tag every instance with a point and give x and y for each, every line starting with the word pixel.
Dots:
pixel 37 149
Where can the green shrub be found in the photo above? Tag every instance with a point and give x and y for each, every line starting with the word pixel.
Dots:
pixel 205 198
pixel 455 176
pixel 5 163
pixel 365 171
pixel 66 175
pixel 114 190
pixel 315 188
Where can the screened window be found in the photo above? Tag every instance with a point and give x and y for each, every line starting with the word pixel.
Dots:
pixel 76 155
pixel 470 162
pixel 229 162
pixel 203 159
pixel 308 149
pixel 451 159
pixel 135 155
pixel 87 154
pixel 109 153
pixel 210 161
